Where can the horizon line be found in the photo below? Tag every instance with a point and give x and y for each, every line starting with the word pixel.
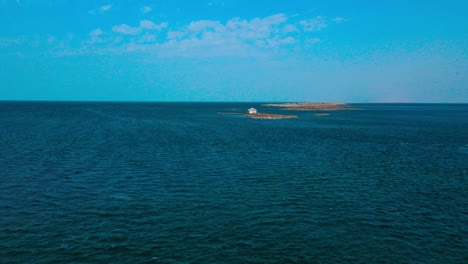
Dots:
pixel 170 101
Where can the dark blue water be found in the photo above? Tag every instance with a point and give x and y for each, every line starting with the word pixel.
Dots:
pixel 181 183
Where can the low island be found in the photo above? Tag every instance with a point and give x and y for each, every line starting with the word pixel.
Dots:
pixel 252 113
pixel 312 106
pixel 320 107
pixel 269 116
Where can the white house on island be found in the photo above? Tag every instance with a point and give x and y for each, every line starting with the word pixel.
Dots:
pixel 252 111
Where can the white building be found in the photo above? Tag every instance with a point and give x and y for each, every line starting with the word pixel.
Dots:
pixel 252 111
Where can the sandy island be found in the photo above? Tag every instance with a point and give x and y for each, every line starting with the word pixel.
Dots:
pixel 269 116
pixel 298 107
pixel 312 106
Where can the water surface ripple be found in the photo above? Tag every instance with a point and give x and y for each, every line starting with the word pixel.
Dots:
pixel 179 183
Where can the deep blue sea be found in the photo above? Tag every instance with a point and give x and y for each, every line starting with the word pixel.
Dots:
pixel 182 183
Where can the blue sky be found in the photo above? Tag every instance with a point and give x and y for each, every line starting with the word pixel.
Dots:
pixel 234 50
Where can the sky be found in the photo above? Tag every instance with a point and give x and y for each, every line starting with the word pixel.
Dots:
pixel 234 50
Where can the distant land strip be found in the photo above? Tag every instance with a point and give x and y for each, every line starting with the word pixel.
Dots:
pixel 312 106
pixel 260 115
pixel 297 107
pixel 269 116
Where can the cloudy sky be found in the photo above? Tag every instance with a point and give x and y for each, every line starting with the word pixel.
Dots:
pixel 234 50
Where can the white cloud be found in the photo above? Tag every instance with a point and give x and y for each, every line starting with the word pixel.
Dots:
pixel 216 3
pixel 339 19
pixel 144 25
pixel 315 24
pixel 149 25
pixel 229 38
pixel 96 33
pixel 203 25
pixel 51 39
pixel 148 38
pixel 235 28
pixel 278 41
pixel 288 40
pixel 12 41
pixel 126 29
pixel 95 36
pixel 312 41
pixel 260 35
pixel 105 8
pixel 272 20
pixel 100 10
pixel 146 9
pixel 290 28
pixel 174 35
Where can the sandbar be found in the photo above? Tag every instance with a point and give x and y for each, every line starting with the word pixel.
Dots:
pixel 312 106
pixel 269 116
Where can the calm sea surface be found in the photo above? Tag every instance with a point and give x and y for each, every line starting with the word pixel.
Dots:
pixel 182 183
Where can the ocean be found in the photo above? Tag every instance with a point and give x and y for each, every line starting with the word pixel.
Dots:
pixel 188 183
